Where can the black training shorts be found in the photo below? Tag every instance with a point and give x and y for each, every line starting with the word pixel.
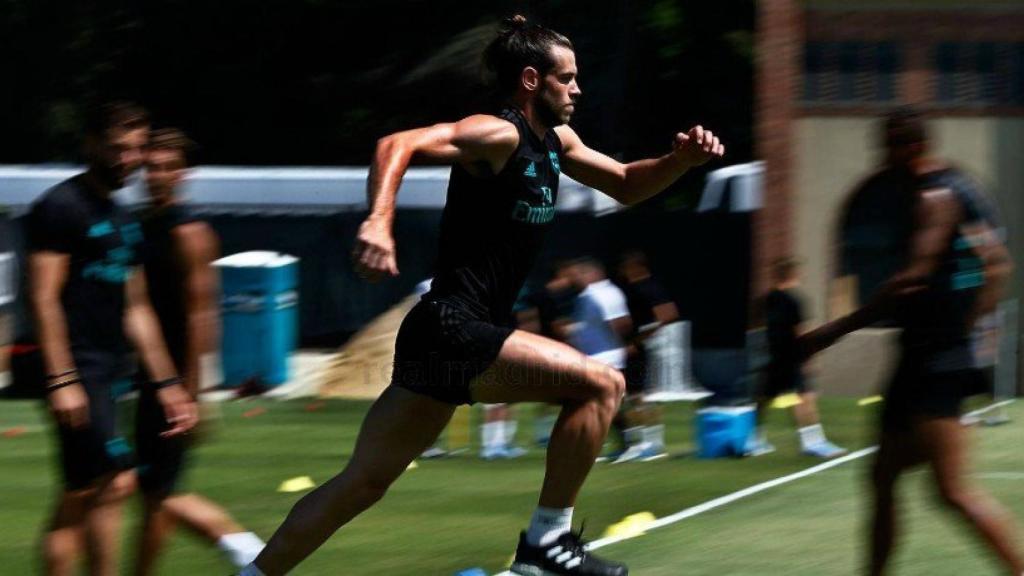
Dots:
pixel 99 448
pixel 160 461
pixel 914 392
pixel 777 380
pixel 441 348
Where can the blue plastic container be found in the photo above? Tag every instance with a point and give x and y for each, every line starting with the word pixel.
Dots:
pixel 724 431
pixel 259 305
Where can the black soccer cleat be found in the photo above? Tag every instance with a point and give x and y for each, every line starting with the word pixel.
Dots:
pixel 567 555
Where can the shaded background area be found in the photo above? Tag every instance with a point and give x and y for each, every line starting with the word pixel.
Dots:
pixel 313 82
pixel 317 82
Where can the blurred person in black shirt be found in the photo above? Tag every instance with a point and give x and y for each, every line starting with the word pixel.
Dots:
pixel 786 373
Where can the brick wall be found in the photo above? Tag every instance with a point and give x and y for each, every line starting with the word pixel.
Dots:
pixel 779 44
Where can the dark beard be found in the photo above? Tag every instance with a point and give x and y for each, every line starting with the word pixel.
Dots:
pixel 546 113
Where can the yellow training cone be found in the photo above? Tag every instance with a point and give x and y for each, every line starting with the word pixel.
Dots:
pixel 869 400
pixel 412 465
pixel 786 401
pixel 297 484
pixel 630 526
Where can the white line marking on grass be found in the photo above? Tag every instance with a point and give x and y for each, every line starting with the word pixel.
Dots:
pixel 989 408
pixel 1001 475
pixel 729 498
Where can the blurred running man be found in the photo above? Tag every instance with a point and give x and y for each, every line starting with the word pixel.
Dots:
pixel 456 346
pixel 956 272
pixel 89 301
pixel 183 288
pixel 785 373
pixel 650 308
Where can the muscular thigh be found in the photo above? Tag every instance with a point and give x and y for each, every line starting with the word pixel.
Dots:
pixel 532 368
pixel 944 443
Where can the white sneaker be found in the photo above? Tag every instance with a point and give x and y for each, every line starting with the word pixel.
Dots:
pixel 634 452
pixel 514 452
pixel 825 450
pixel 653 453
pixel 759 448
pixel 492 453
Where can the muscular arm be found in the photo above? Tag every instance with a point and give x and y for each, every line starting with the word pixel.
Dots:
pixel 482 144
pixel 47 274
pixel 636 181
pixel 197 248
pixel 997 265
pixel 143 329
pixel 936 217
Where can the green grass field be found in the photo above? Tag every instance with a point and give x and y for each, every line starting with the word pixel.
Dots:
pixel 461 512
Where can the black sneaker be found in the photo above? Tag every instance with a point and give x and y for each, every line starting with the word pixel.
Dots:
pixel 567 555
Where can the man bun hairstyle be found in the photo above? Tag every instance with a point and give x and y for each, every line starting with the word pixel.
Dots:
pixel 519 45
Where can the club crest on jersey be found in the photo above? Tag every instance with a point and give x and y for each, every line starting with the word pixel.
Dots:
pixel 554 162
pixel 530 214
pixel 531 170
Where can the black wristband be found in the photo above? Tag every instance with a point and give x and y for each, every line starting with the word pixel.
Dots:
pixel 161 384
pixel 58 385
pixel 61 375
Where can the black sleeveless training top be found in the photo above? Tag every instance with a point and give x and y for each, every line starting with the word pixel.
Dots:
pixel 493 227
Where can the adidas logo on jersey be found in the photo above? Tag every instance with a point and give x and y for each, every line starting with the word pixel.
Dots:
pixel 531 170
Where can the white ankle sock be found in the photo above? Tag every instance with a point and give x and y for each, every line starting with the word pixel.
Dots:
pixel 811 435
pixel 548 524
pixel 241 548
pixel 489 433
pixel 511 426
pixel 251 570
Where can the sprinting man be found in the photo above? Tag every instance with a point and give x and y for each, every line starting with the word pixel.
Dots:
pixel 784 319
pixel 956 271
pixel 89 301
pixel 456 346
pixel 183 286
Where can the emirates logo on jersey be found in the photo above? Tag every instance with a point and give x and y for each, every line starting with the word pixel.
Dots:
pixel 532 214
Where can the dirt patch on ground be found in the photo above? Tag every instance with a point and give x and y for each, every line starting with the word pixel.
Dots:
pixel 362 367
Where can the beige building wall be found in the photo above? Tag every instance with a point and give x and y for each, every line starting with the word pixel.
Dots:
pixel 834 153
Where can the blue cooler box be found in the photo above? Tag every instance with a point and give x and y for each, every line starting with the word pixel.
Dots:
pixel 259 306
pixel 725 431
